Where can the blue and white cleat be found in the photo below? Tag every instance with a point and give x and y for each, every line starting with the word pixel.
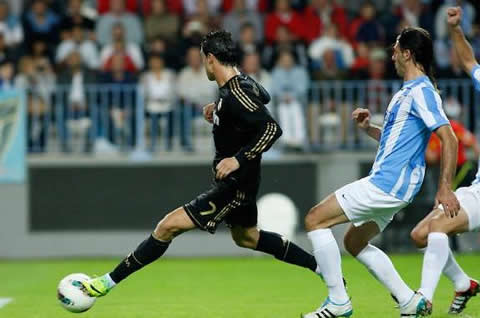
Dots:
pixel 331 310
pixel 418 306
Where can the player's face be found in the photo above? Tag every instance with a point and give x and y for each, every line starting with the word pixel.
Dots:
pixel 208 63
pixel 398 60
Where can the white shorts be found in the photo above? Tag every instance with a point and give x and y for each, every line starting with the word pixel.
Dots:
pixel 364 202
pixel 469 198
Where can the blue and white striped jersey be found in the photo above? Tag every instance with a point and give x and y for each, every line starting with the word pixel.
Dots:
pixel 476 83
pixel 413 113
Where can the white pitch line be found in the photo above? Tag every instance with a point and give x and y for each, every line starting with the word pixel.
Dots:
pixel 5 301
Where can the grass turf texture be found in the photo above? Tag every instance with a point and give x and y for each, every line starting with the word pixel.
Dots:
pixel 200 288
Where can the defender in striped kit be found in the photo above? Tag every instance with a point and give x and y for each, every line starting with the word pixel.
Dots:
pixel 369 204
pixel 243 130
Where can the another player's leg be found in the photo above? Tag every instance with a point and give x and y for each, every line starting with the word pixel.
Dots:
pixel 151 249
pixel 452 269
pixel 318 223
pixel 379 264
pixel 439 258
pixel 273 244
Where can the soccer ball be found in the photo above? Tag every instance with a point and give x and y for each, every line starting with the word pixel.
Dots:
pixel 72 295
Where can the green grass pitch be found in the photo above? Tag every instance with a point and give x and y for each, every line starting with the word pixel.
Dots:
pixel 204 288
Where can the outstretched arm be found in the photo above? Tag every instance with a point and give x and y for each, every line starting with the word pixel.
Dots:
pixel 362 118
pixel 462 47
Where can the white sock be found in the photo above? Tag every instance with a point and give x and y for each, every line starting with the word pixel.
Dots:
pixel 327 254
pixel 434 261
pixel 456 274
pixel 381 267
pixel 109 281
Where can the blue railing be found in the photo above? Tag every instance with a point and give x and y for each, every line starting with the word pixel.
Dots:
pixel 114 118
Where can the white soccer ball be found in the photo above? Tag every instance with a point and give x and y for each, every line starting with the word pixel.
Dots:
pixel 72 295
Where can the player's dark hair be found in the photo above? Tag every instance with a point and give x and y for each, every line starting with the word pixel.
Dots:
pixel 419 42
pixel 220 44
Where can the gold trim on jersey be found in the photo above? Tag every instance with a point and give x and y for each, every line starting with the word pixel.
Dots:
pixel 241 96
pixel 263 142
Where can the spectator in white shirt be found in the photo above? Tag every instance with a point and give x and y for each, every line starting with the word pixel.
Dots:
pixel 10 26
pixel 290 95
pixel 79 43
pixel 195 91
pixel 331 41
pixel 158 84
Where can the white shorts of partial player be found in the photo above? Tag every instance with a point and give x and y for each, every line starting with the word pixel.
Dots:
pixel 469 198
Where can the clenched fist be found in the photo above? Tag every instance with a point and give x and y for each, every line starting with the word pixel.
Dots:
pixel 362 117
pixel 454 16
pixel 208 112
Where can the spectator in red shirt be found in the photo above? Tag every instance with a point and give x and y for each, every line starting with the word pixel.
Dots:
pixel 103 6
pixel 466 140
pixel 320 14
pixel 284 16
pixel 132 55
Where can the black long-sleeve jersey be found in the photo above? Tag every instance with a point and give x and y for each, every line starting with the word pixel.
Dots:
pixel 243 127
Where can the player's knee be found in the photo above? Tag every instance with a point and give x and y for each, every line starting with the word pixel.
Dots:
pixel 313 219
pixel 437 224
pixel 245 239
pixel 167 228
pixel 418 237
pixel 245 242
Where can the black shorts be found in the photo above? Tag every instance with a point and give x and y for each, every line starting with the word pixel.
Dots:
pixel 224 202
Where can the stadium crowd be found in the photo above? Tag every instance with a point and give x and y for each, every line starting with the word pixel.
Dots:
pixel 45 44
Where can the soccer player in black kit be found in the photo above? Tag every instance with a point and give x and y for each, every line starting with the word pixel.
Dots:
pixel 242 130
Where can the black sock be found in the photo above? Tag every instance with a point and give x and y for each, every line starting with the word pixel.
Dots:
pixel 148 251
pixel 284 250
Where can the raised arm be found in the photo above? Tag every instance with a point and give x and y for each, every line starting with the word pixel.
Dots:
pixel 462 47
pixel 362 118
pixel 448 165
